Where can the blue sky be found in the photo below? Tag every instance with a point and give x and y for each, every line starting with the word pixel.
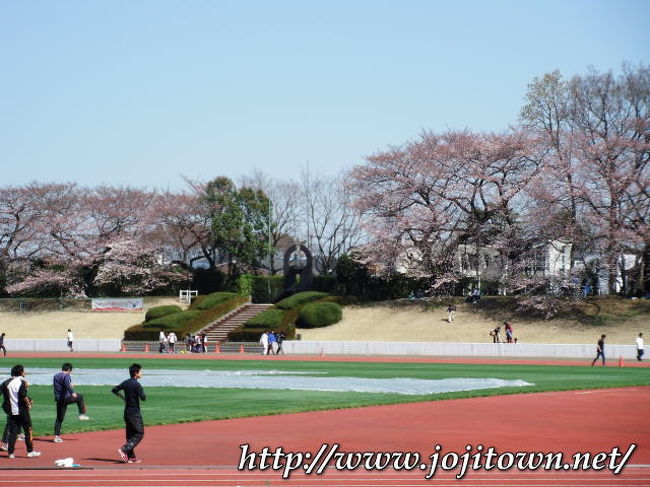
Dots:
pixel 145 92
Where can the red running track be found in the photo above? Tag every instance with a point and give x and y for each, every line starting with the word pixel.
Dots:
pixel 208 453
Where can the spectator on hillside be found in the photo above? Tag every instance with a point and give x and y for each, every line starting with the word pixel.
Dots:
pixel 509 332
pixel 451 310
pixel 496 335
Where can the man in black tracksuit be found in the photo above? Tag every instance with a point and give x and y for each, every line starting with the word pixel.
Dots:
pixel 133 393
pixel 16 404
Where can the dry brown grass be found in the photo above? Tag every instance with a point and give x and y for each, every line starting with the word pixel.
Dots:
pixel 419 324
pixel 624 319
pixel 84 324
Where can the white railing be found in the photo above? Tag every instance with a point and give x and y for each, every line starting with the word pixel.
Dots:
pixel 186 295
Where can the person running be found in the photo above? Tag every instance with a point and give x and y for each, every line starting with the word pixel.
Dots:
pixel 70 339
pixel 65 395
pixel 600 349
pixel 133 394
pixel 639 347
pixel 16 403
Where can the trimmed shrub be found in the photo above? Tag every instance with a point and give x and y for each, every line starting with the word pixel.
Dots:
pixel 212 300
pixel 299 299
pixel 321 313
pixel 160 311
pixel 197 320
pixel 174 320
pixel 270 318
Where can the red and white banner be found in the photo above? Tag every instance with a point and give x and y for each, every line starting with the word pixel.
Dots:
pixel 117 304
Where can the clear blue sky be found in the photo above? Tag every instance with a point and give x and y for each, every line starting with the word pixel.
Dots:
pixel 143 92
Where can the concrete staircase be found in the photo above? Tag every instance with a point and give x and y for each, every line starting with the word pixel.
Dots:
pixel 218 331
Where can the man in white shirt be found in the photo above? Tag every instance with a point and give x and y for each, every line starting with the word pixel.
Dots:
pixel 172 338
pixel 162 338
pixel 639 347
pixel 70 339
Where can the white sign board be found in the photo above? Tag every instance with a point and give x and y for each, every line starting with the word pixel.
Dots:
pixel 117 304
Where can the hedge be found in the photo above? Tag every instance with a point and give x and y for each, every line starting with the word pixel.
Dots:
pixel 299 299
pixel 174 320
pixel 270 318
pixel 212 300
pixel 199 320
pixel 160 311
pixel 321 313
pixel 267 321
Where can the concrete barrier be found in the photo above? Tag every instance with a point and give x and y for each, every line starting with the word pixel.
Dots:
pixel 299 347
pixel 61 345
pixel 547 350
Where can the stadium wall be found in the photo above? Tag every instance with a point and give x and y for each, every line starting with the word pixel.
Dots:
pixel 612 352
pixel 61 345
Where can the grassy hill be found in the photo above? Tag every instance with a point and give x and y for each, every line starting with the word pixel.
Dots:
pixel 402 320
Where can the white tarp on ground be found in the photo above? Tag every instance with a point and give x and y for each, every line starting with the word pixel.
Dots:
pixel 273 379
pixel 117 304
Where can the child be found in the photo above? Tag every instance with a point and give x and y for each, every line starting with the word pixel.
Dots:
pixel 133 394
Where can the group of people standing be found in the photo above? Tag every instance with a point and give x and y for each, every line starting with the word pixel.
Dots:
pixel 509 332
pixel 271 343
pixel 193 343
pixel 17 404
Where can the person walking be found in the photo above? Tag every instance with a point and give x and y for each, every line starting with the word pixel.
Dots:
pixel 264 341
pixel 162 338
pixel 2 344
pixel 172 339
pixel 600 349
pixel 273 343
pixel 70 340
pixel 279 338
pixel 451 310
pixel 639 347
pixel 133 394
pixel 16 403
pixel 64 395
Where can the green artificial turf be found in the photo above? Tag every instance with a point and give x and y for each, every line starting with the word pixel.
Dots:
pixel 166 405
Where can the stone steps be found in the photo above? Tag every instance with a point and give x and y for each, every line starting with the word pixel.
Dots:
pixel 218 331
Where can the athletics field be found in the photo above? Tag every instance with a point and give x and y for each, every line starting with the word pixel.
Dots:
pixel 207 408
